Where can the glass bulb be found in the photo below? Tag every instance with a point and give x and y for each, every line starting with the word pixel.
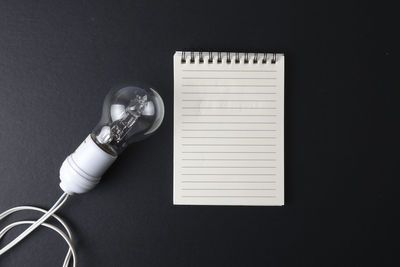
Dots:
pixel 130 114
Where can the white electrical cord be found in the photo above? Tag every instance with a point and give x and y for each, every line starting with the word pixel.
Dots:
pixel 40 222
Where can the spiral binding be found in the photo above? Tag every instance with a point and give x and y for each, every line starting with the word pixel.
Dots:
pixel 230 57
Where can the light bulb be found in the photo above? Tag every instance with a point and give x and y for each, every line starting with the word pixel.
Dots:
pixel 130 114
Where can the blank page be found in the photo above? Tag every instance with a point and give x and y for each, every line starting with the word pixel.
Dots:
pixel 228 128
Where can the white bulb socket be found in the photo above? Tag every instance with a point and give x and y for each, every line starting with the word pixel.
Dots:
pixel 82 170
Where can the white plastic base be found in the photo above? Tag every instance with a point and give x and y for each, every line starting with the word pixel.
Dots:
pixel 82 170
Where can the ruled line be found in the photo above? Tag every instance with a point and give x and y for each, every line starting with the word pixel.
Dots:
pixel 233 159
pixel 223 115
pixel 232 196
pixel 231 174
pixel 229 189
pixel 230 137
pixel 229 93
pixel 228 167
pixel 228 85
pixel 229 130
pixel 227 122
pixel 233 152
pixel 228 100
pixel 228 145
pixel 228 108
pixel 231 182
pixel 228 78
pixel 200 70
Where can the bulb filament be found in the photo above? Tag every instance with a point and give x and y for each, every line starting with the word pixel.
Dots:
pixel 133 111
pixel 119 129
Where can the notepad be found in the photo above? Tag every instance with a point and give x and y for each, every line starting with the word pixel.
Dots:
pixel 228 128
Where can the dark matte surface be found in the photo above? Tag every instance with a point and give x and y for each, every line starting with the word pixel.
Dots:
pixel 58 59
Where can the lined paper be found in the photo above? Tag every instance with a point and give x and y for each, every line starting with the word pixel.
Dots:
pixel 228 130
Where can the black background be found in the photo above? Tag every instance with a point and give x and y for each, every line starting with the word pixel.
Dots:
pixel 58 59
